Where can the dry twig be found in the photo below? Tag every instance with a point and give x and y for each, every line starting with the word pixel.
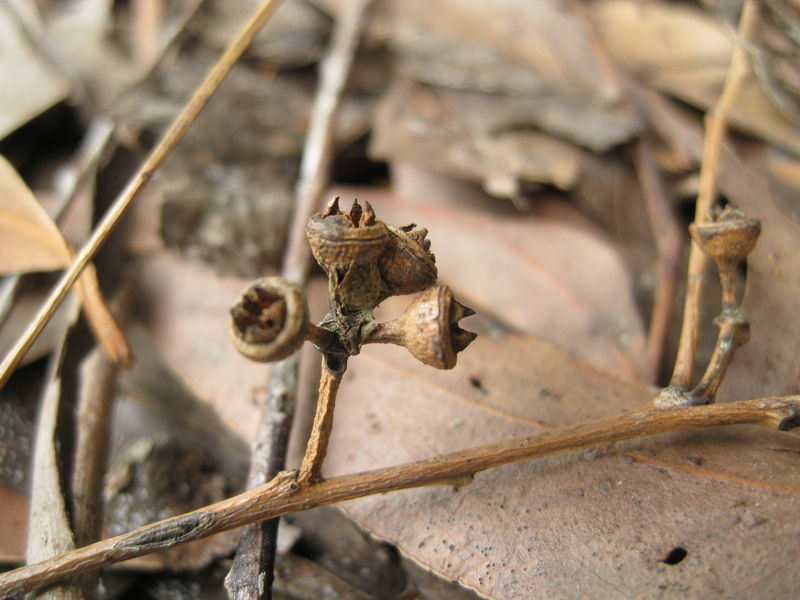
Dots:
pixel 251 574
pixel 283 495
pixel 311 469
pixel 95 403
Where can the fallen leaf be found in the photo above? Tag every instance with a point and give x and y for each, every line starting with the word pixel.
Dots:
pixel 101 320
pixel 344 549
pixel 704 514
pixel 787 171
pixel 549 275
pixel 29 84
pixel 483 137
pixel 29 240
pixel 186 313
pixel 679 49
pixel 184 308
pixel 300 578
pixel 553 48
pixel 13 525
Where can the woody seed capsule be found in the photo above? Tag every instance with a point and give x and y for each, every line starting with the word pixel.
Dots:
pixel 269 320
pixel 429 328
pixel 347 246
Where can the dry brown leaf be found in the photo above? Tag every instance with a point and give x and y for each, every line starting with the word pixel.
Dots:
pixel 553 47
pixel 13 525
pixel 539 272
pixel 344 549
pixel 786 170
pixel 29 240
pixel 485 137
pixel 591 524
pixel 186 313
pixel 102 322
pixel 770 362
pixel 29 84
pixel 685 52
pixel 301 579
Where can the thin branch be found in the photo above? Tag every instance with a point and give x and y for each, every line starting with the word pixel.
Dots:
pixel 283 495
pixel 251 574
pixel 97 385
pixel 716 127
pixel 311 468
pixel 115 212
pixel 95 403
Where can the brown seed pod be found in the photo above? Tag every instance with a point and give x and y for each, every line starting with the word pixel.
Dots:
pixel 347 246
pixel 730 238
pixel 269 320
pixel 407 265
pixel 338 238
pixel 429 328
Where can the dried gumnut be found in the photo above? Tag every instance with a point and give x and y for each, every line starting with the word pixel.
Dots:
pixel 347 246
pixel 269 320
pixel 429 328
pixel 407 265
pixel 729 238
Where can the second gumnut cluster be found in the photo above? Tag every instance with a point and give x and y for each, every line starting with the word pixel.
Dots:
pixel 366 261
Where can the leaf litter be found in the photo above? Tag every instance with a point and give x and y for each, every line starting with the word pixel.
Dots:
pixel 539 119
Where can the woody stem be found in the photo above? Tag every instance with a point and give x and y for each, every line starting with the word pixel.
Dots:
pixel 311 467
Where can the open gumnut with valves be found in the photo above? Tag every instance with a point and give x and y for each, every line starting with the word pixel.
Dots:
pixel 366 261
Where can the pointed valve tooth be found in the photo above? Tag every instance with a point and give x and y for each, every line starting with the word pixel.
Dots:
pixel 368 218
pixel 461 338
pixel 418 234
pixel 459 311
pixel 332 208
pixel 355 213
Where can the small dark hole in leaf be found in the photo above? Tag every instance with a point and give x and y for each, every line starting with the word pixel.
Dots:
pixel 674 556
pixel 477 384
